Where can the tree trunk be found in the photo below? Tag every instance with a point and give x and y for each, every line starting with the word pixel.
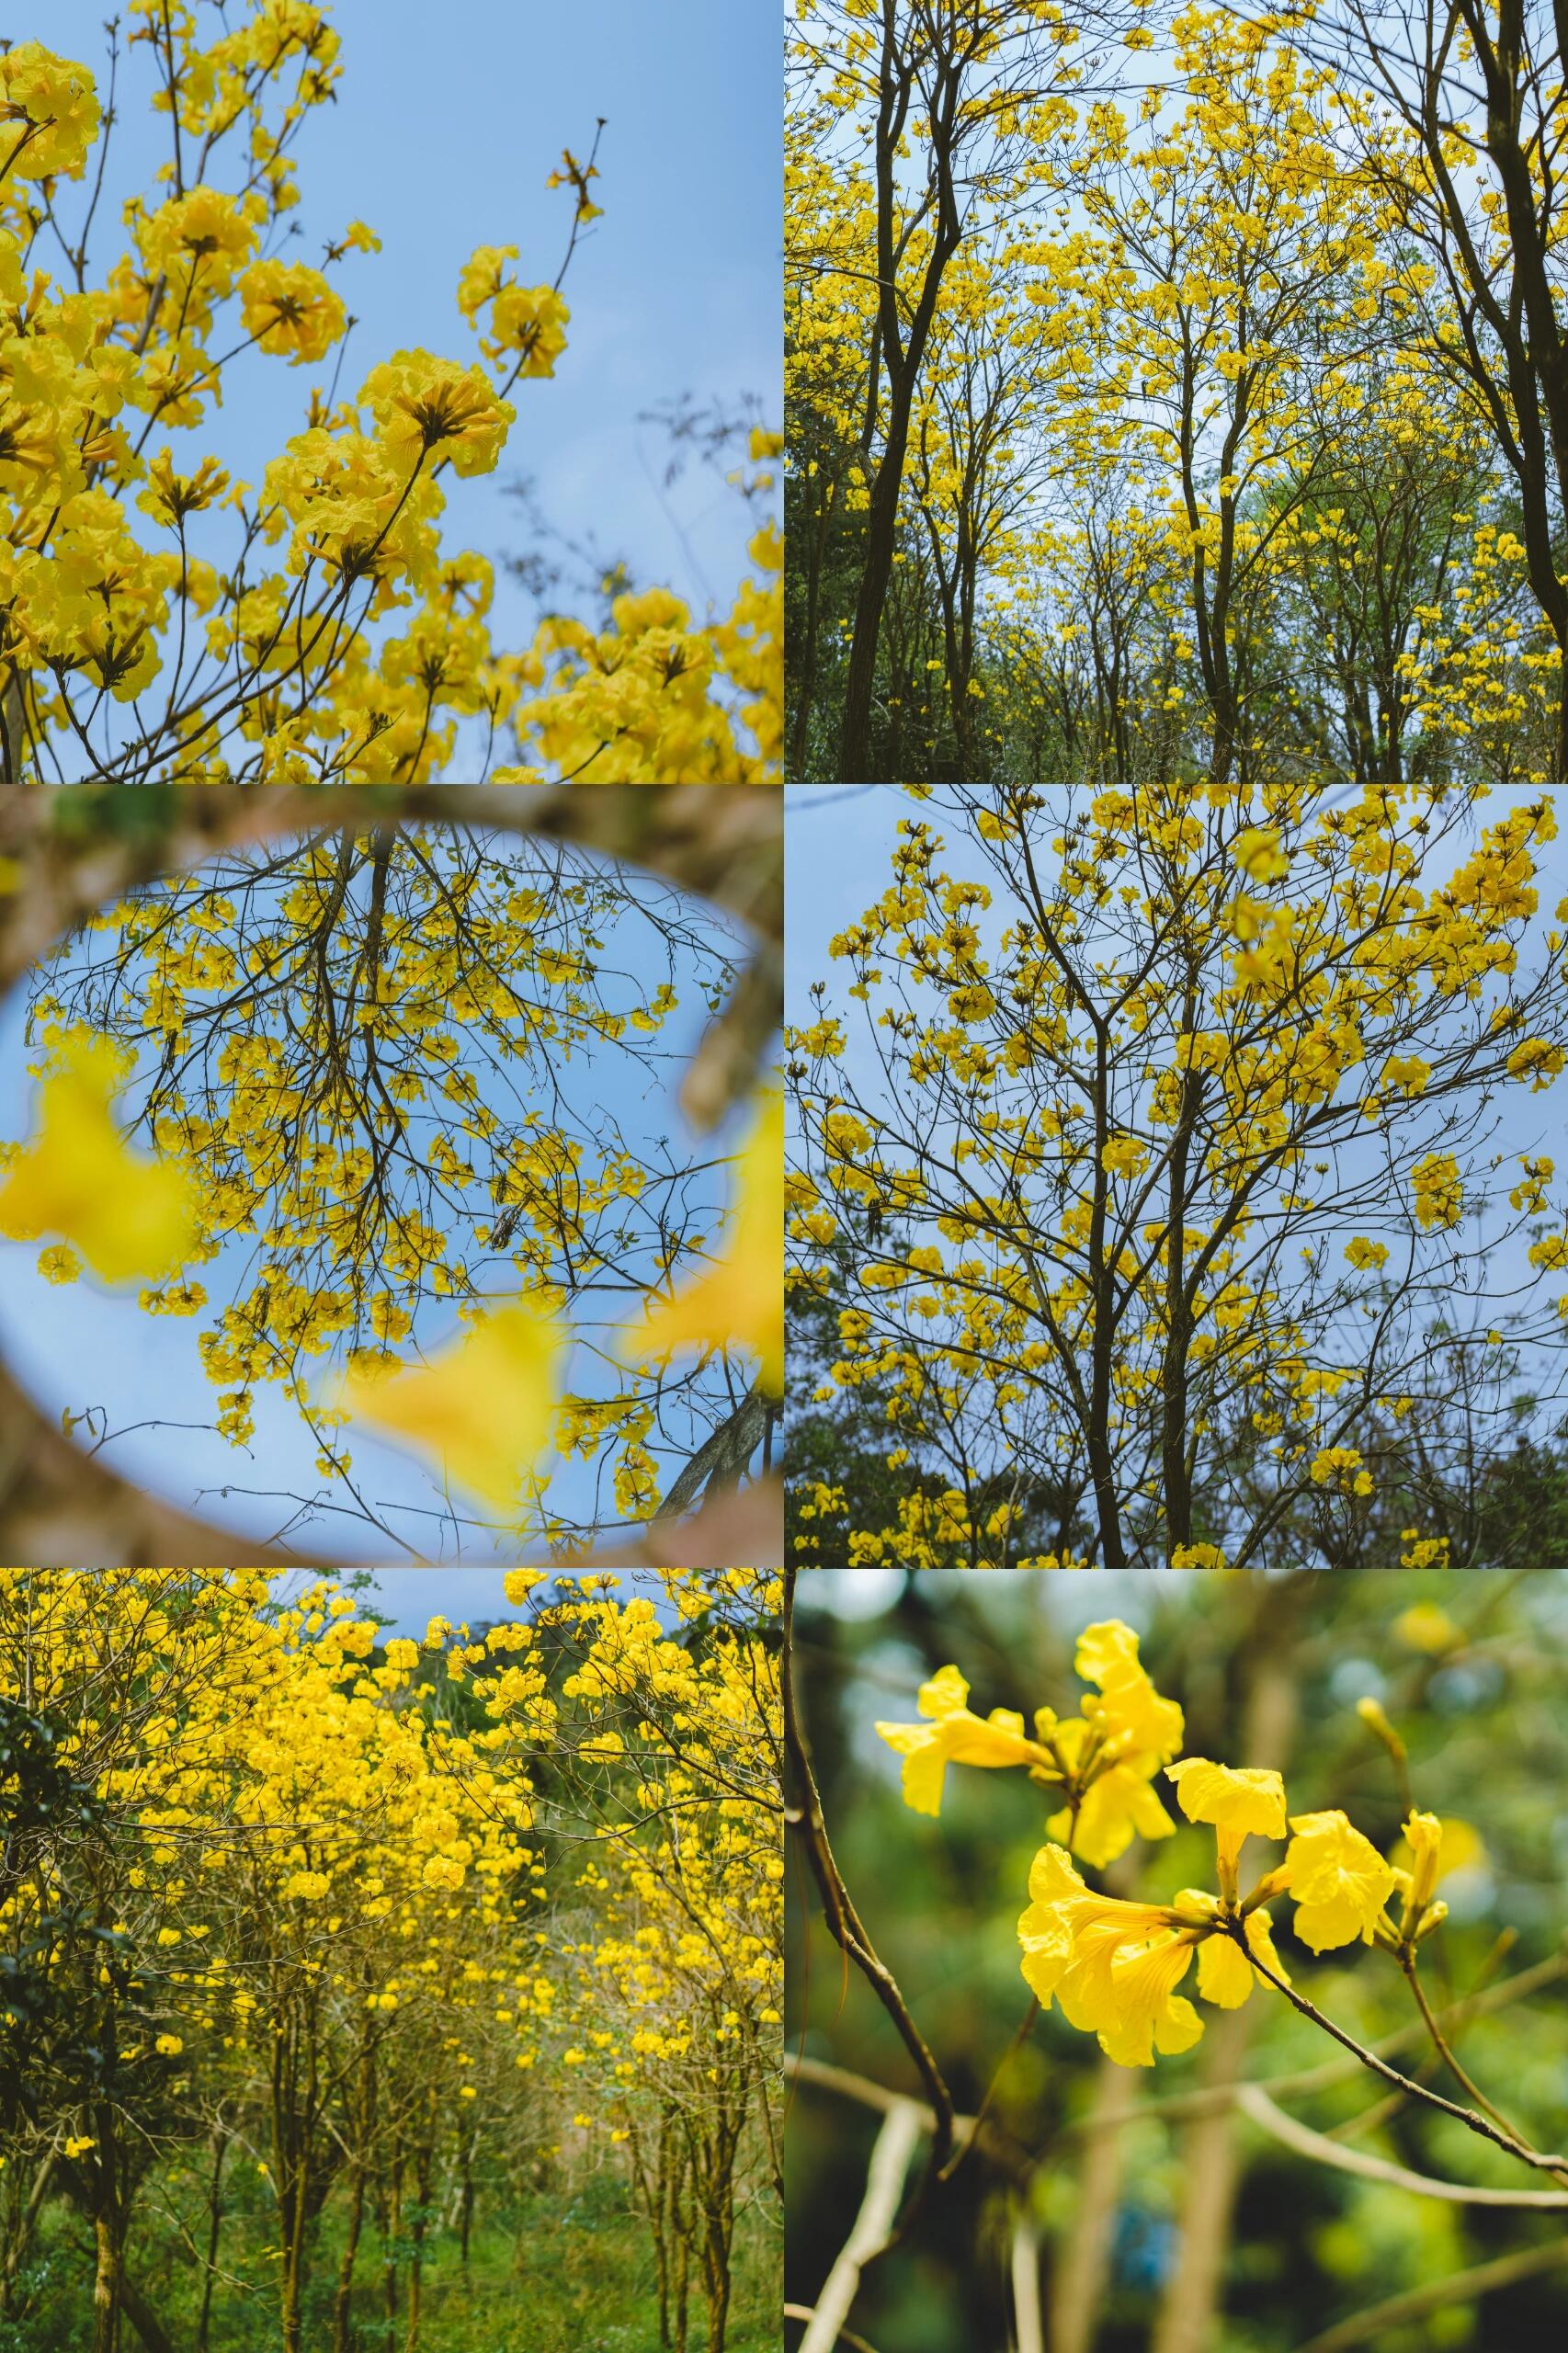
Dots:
pixel 106 2282
pixel 214 2231
pixel 342 2302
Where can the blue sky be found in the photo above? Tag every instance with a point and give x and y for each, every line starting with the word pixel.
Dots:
pixel 446 123
pixel 77 1346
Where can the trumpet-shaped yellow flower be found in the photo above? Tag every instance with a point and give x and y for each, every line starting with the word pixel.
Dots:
pixel 485 1409
pixel 1339 1881
pixel 739 1299
pixel 1113 1966
pixel 1240 1800
pixel 1104 1760
pixel 127 1216
pixel 955 1735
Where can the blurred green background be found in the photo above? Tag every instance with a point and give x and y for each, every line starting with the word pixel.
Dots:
pixel 1176 2233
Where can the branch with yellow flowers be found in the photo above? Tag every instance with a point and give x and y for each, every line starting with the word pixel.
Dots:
pixel 804 1815
pixel 1113 1965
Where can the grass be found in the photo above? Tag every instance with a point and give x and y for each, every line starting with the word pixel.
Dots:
pixel 568 2272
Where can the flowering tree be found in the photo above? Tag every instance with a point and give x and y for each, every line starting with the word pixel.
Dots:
pixel 354 1083
pixel 1237 270
pixel 162 621
pixel 1143 1206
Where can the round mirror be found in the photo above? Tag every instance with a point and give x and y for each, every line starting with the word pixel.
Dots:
pixel 351 1207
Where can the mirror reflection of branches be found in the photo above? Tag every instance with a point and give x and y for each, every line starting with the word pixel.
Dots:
pixel 418 1073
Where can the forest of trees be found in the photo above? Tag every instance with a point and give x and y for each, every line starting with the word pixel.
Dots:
pixel 1175 392
pixel 376 1992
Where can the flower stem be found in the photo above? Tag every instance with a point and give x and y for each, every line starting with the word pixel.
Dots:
pixel 1407 1962
pixel 1500 2137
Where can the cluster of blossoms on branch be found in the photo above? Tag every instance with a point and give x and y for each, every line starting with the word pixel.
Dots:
pixel 316 629
pixel 1113 1965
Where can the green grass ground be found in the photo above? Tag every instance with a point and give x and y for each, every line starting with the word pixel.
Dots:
pixel 569 2272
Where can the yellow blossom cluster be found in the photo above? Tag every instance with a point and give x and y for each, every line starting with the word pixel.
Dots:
pixel 158 621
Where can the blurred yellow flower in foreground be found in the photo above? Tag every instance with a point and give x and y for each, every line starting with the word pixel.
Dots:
pixel 739 1299
pixel 485 1409
pixel 126 1215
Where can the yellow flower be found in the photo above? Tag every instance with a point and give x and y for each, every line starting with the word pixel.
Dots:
pixel 1113 1966
pixel 1198 1556
pixel 1538 1060
pixel 1242 1802
pixel 484 1409
pixel 1339 1881
pixel 1107 1654
pixel 1124 1156
pixel 1104 1759
pixel 290 309
pixel 1433 1846
pixel 1246 1798
pixel 125 1215
pixel 1224 1974
pixel 168 2046
pixel 421 404
pixel 1438 1190
pixel 1426 1626
pixel 954 1735
pixel 740 1298
pixel 48 114
pixel 78 2144
pixel 1119 1805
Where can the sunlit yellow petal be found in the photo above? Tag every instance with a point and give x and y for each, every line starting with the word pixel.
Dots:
pixel 1248 1800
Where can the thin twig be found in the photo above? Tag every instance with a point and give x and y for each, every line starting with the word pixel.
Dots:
pixel 1407 2084
pixel 1414 2304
